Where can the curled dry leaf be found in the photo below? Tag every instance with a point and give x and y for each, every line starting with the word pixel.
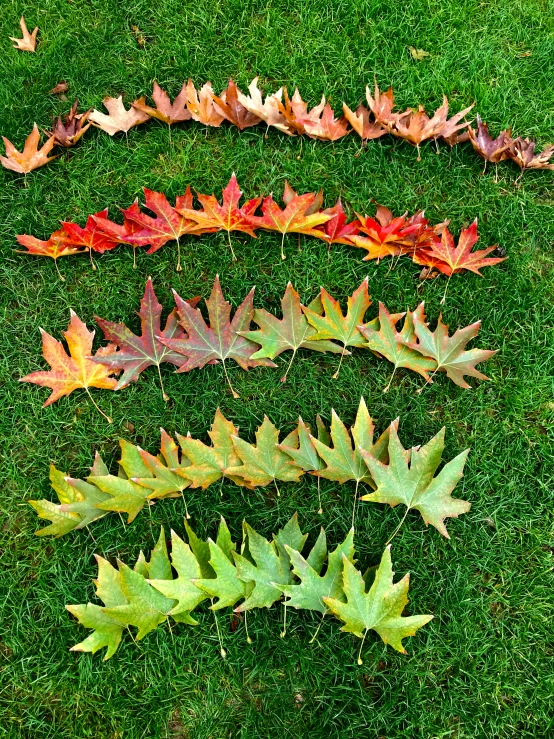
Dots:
pixel 29 40
pixel 118 119
pixel 522 152
pixel 31 157
pixel 491 150
pixel 68 131
pixel 363 125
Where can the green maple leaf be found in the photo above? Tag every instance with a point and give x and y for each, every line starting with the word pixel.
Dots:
pixel 211 463
pixel 225 585
pixel 125 495
pixel 264 461
pixel 107 631
pixel 267 568
pixel 182 589
pixel 380 609
pixel 409 479
pixel 449 351
pixel 394 345
pixel 291 332
pixel 335 325
pixel 290 536
pixel 313 586
pixel 301 449
pixel 164 480
pixel 343 461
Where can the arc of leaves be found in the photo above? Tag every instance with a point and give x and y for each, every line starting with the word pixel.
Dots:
pixel 146 595
pixel 343 455
pixel 293 117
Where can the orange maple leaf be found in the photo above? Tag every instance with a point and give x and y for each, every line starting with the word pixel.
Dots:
pixel 31 157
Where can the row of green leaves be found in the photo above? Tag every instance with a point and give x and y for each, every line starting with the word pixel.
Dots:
pixel 258 576
pixel 397 475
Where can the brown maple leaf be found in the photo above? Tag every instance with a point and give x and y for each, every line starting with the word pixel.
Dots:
pixel 201 105
pixel 325 126
pixel 289 112
pixel 522 152
pixel 58 245
pixel 31 157
pixel 59 89
pixel 230 107
pixel 218 341
pixel 29 40
pixel 76 370
pixel 165 110
pixel 381 105
pixel 226 216
pixel 270 110
pixel 415 126
pixel 362 124
pixel 118 119
pixel 68 131
pixel 491 150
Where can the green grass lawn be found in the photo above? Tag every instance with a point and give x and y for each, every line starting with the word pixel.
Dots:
pixel 483 666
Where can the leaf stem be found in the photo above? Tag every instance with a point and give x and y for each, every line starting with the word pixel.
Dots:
pixel 284 377
pixel 393 372
pixel 62 278
pixel 284 632
pixel 231 245
pixel 397 529
pixel 235 394
pixel 336 375
pixel 283 255
pixel 178 268
pixel 248 639
pixel 320 511
pixel 446 288
pixel 360 660
pixel 221 650
pixel 134 257
pixel 164 394
pixel 91 259
pixel 355 501
pixel 108 419
pixel 316 632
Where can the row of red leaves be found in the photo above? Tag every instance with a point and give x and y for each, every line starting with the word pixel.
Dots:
pixel 289 115
pixel 189 342
pixel 430 246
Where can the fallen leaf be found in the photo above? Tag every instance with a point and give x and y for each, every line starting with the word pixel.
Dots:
pixel 76 370
pixel 31 157
pixel 118 119
pixel 29 40
pixel 492 150
pixel 201 105
pixel 165 110
pixel 522 152
pixel 59 88
pixel 418 54
pixel 230 107
pixel 68 131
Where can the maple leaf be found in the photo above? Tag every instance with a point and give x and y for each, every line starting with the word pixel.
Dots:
pixel 299 111
pixel 91 237
pixel 362 124
pixel 313 586
pixel 380 609
pixel 336 230
pixel 226 586
pixel 76 370
pixel 293 218
pixel 219 341
pixel 230 107
pixel 522 152
pixel 136 353
pixel 292 331
pixel 182 589
pixel 385 235
pixel 31 157
pixel 264 462
pixel 118 119
pixel 269 110
pixel 59 244
pixel 395 346
pixel 165 110
pixel 227 216
pixel 164 480
pixel 449 351
pixel 491 150
pixel 267 569
pixel 29 40
pixel 71 128
pixel 415 126
pixel 201 105
pixel 107 631
pixel 146 608
pixel 408 478
pixel 211 463
pixel 300 448
pixel 343 460
pixel 381 105
pixel 334 325
pixel 448 258
pixel 325 126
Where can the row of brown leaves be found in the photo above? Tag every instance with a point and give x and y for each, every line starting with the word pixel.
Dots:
pixel 290 115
